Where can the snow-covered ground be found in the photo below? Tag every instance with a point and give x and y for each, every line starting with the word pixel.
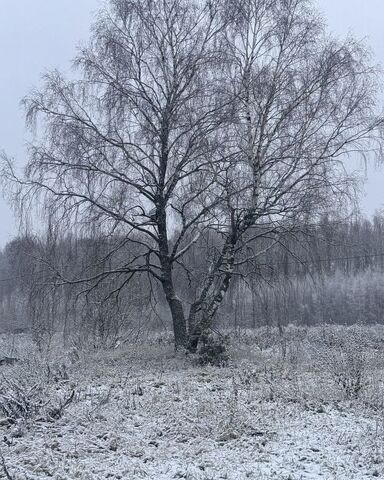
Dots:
pixel 280 410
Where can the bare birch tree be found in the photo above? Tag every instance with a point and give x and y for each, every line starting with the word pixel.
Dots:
pixel 304 102
pixel 188 117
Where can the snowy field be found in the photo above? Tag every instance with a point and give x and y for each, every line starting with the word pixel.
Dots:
pixel 305 405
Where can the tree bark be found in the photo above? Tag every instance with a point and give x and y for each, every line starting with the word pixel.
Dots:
pixel 175 305
pixel 211 297
pixel 179 323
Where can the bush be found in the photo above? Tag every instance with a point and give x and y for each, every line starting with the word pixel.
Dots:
pixel 214 350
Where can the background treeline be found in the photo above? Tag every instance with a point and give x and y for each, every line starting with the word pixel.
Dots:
pixel 330 272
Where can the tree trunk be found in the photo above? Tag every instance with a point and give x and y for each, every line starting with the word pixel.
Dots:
pixel 194 333
pixel 176 307
pixel 209 302
pixel 179 322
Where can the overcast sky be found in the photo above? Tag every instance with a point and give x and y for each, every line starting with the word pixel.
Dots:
pixel 37 35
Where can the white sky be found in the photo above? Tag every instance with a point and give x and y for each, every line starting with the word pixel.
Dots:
pixel 37 35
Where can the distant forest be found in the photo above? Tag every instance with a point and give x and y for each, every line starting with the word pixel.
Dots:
pixel 329 272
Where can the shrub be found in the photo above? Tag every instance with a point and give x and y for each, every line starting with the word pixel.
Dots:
pixel 214 350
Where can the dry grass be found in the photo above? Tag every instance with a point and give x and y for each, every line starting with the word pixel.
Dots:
pixel 278 410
